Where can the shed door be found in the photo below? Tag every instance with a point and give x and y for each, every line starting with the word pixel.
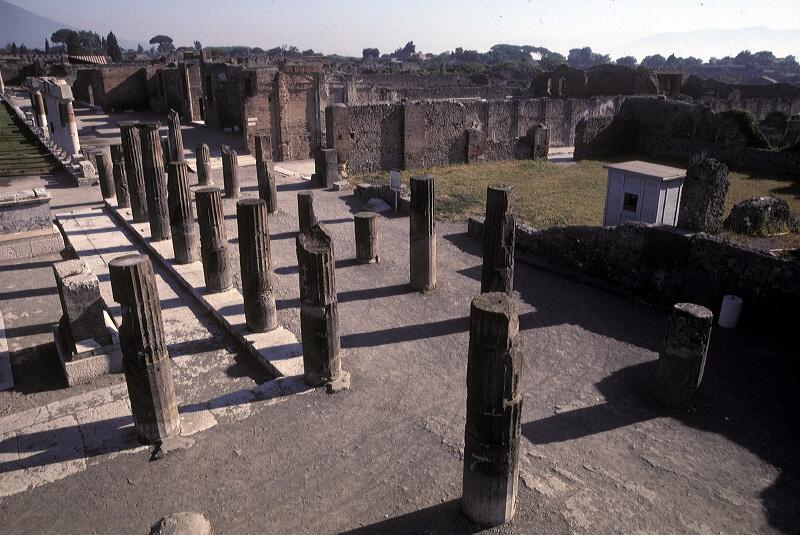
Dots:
pixel 631 199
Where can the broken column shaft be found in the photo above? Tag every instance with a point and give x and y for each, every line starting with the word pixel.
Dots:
pixel 494 411
pixel 175 137
pixel 154 182
pixel 230 172
pixel 185 234
pixel 120 178
pixel 497 274
pixel 266 185
pixel 319 319
pixel 105 171
pixel 134 170
pixel 213 239
pixel 256 265
pixel 305 210
pixel 145 358
pixel 422 234
pixel 683 354
pixel 366 228
pixel 203 164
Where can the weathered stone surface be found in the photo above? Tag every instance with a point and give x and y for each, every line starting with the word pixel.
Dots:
pixel 539 139
pixel 120 178
pixel 497 273
pixel 319 319
pixel 155 182
pixel 759 216
pixel 175 137
pixel 213 239
pixel 305 210
pixel 105 171
pixel 366 229
pixel 146 362
pixel 81 303
pixel 267 189
pixel 703 197
pixel 256 265
pixel 134 170
pixel 230 172
pixel 476 145
pixel 326 170
pixel 186 523
pixel 24 211
pixel 494 411
pixel 683 354
pixel 185 233
pixel 203 165
pixel 422 234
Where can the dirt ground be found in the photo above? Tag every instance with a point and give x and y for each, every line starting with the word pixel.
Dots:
pixel 598 455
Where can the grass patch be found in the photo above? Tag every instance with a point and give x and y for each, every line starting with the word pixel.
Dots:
pixel 551 195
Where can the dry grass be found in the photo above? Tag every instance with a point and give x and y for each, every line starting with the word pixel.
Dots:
pixel 556 195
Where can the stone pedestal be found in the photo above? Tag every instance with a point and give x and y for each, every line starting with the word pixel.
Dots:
pixel 185 233
pixel 120 178
pixel 422 234
pixel 494 412
pixel 203 164
pixel 683 354
pixel 267 190
pixel 256 265
pixel 497 274
pixel 154 182
pixel 148 370
pixel 105 170
pixel 175 137
pixel 705 188
pixel 230 172
pixel 319 320
pixel 82 305
pixel 305 210
pixel 366 228
pixel 213 239
pixel 134 170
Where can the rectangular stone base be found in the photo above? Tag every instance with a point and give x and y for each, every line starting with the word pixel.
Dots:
pixel 29 244
pixel 92 360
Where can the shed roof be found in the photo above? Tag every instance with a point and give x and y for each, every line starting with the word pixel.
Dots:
pixel 663 172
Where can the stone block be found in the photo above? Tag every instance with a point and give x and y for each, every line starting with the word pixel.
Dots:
pixel 81 302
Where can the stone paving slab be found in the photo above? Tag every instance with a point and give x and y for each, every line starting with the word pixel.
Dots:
pixel 6 376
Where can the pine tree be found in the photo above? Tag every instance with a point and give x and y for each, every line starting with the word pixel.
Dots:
pixel 46 45
pixel 14 49
pixel 112 47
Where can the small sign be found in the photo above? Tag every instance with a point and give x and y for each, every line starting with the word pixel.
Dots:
pixel 394 180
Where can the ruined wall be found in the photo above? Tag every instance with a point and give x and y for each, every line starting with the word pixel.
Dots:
pixel 300 128
pixel 113 89
pixel 665 265
pixel 257 107
pixel 222 95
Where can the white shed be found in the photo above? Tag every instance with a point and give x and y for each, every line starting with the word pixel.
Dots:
pixel 642 191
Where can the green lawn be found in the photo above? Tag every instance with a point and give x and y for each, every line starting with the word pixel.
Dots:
pixel 555 195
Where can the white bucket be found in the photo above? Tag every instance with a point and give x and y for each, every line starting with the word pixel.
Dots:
pixel 729 313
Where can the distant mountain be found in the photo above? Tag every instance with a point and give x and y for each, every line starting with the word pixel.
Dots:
pixel 716 43
pixel 18 25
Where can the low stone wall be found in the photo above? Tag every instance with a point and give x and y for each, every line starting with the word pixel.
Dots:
pixel 25 211
pixel 665 265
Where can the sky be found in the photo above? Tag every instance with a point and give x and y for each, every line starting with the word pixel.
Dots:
pixel 348 26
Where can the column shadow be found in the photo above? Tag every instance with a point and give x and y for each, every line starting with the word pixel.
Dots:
pixel 437 519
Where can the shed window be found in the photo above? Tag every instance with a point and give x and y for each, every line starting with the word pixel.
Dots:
pixel 629 202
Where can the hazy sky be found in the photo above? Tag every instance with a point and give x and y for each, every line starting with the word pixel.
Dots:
pixel 347 26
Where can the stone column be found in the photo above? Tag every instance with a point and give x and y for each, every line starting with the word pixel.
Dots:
pixel 185 234
pixel 148 370
pixel 366 225
pixel 73 145
pixel 422 260
pixel 175 137
pixel 256 265
pixel 105 171
pixel 267 190
pixel 305 210
pixel 494 411
pixel 326 170
pixel 41 113
pixel 705 188
pixel 203 164
pixel 165 152
pixel 683 355
pixel 213 239
pixel 155 185
pixel 120 178
pixel 319 319
pixel 497 274
pixel 263 148
pixel 134 170
pixel 230 172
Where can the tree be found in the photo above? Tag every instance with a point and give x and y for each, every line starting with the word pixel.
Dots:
pixel 140 49
pixel 112 46
pixel 14 49
pixel 23 49
pixel 370 53
pixel 745 57
pixel 789 61
pixel 654 61
pixel 80 42
pixel 164 43
pixel 406 52
pixel 198 46
pixel 552 60
pixel 309 52
pixel 46 46
pixel 765 57
pixel 628 61
pixel 580 58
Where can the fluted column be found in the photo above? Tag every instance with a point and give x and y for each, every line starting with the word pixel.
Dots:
pixel 422 234
pixel 175 137
pixel 256 265
pixel 154 182
pixel 230 172
pixel 145 359
pixel 73 146
pixel 120 178
pixel 134 170
pixel 185 233
pixel 105 171
pixel 203 164
pixel 497 273
pixel 266 185
pixel 305 210
pixel 213 239
pixel 494 411
pixel 366 229
pixel 41 113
